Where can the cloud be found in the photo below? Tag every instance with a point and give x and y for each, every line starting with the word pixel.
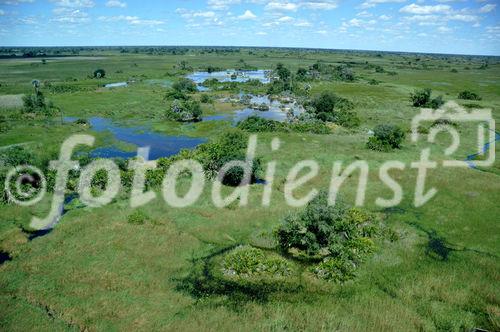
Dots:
pixel 116 3
pixel 373 3
pixel 69 15
pixel 294 6
pixel 74 3
pixel 261 33
pixel 15 2
pixel 319 5
pixel 281 6
pixel 487 8
pixel 222 4
pixel 248 15
pixel 2 13
pixel 444 30
pixel 133 20
pixel 425 10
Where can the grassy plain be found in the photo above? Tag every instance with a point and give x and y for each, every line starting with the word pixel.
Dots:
pixel 95 271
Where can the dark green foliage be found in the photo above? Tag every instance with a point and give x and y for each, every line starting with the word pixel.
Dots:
pixel 436 103
pixel 138 217
pixel 386 138
pixel 301 74
pixel 15 156
pixel 246 261
pixel 422 98
pixel 337 269
pixel 469 95
pixel 4 124
pixel 184 110
pixel 454 71
pixel 329 107
pixel 206 99
pixel 184 85
pixel 99 73
pixel 35 103
pixel 347 119
pixel 211 69
pixel 283 73
pixel 344 73
pixel 254 124
pixel 338 234
pixel 228 146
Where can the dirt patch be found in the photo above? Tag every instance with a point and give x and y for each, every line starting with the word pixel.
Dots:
pixel 11 101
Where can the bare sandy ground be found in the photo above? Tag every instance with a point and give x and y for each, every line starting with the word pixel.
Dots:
pixel 11 101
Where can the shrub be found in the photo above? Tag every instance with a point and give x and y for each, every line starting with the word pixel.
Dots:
pixel 469 95
pixel 254 124
pixel 301 74
pixel 327 103
pixel 184 85
pixel 344 73
pixel 335 269
pixel 206 99
pixel 436 102
pixel 15 156
pixel 247 261
pixel 230 145
pixel 386 137
pixel 138 217
pixel 184 110
pixel 323 230
pixel 35 103
pixel 99 73
pixel 422 98
pixel 347 119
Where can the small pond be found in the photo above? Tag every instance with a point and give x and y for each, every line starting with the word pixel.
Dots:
pixel 160 145
pixel 231 76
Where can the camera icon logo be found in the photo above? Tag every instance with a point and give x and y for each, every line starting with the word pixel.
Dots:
pixel 448 116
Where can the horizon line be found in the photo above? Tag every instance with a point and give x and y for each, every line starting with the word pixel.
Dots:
pixel 262 47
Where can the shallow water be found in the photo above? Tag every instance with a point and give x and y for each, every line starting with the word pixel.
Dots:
pixel 116 85
pixel 277 110
pixel 160 145
pixel 225 76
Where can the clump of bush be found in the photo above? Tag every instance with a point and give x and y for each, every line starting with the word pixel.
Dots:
pixel 138 217
pixel 184 110
pixel 246 261
pixel 99 73
pixel 338 235
pixel 422 98
pixel 386 137
pixel 327 106
pixel 255 124
pixel 230 145
pixel 184 85
pixel 36 103
pixel 344 73
pixel 206 99
pixel 469 95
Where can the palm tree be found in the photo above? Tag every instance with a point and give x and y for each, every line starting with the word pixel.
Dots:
pixel 36 85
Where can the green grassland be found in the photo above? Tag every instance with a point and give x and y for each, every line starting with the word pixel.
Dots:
pixel 95 271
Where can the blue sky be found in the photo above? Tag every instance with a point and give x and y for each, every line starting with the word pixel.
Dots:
pixel 439 26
